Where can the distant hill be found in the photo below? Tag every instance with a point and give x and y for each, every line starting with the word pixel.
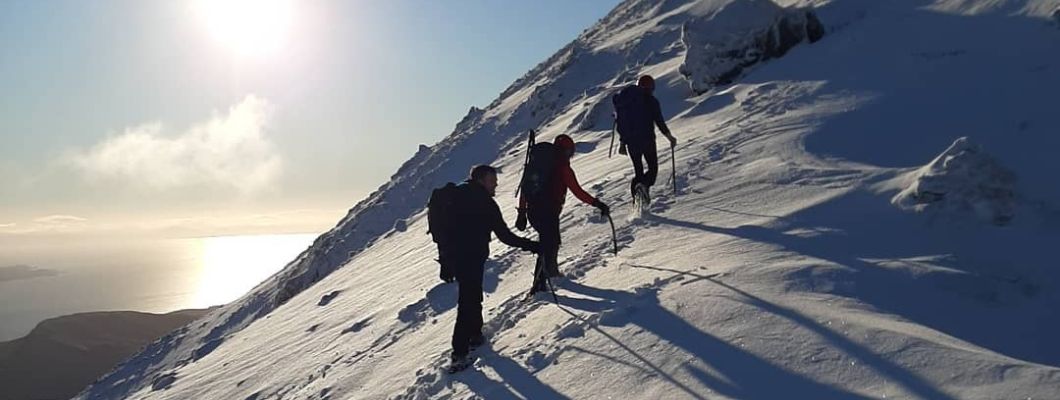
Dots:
pixel 63 355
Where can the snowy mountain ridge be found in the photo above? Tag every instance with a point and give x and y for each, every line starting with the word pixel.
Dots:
pixel 781 167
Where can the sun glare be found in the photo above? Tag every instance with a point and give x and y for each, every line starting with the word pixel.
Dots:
pixel 249 27
pixel 232 265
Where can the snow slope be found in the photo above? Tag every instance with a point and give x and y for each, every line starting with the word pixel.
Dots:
pixel 779 269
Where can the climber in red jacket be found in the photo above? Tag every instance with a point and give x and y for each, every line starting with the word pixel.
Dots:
pixel 543 213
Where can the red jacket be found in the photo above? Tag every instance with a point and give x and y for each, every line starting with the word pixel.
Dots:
pixel 562 180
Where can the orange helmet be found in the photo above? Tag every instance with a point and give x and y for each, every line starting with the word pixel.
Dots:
pixel 564 142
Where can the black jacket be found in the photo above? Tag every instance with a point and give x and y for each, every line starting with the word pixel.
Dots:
pixel 478 216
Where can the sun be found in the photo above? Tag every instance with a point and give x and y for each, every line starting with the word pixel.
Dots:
pixel 249 27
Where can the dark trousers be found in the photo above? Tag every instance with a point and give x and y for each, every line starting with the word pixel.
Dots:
pixel 640 153
pixel 546 223
pixel 469 306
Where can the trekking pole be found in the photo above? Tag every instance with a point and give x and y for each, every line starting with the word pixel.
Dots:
pixel 525 162
pixel 538 276
pixel 673 168
pixel 553 290
pixel 614 237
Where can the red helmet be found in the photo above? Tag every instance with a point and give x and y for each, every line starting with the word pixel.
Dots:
pixel 564 142
pixel 646 81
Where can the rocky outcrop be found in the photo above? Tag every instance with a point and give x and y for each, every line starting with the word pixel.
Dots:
pixel 721 44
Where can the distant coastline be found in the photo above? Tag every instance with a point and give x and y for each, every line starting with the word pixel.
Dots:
pixel 62 355
pixel 21 271
pixel 45 280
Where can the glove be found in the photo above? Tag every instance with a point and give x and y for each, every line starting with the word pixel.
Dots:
pixel 673 140
pixel 533 247
pixel 604 209
pixel 622 149
pixel 520 221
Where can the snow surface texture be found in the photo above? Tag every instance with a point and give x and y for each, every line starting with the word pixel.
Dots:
pixel 962 180
pixel 778 269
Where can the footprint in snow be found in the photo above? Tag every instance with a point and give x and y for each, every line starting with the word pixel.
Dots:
pixel 357 327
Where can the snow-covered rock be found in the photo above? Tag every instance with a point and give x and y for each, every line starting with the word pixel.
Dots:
pixel 963 180
pixel 727 37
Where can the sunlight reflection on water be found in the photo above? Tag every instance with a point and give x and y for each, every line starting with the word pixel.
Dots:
pixel 151 276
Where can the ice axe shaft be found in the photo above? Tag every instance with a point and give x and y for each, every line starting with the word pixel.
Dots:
pixel 614 236
pixel 673 168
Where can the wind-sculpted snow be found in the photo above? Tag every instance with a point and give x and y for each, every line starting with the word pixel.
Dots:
pixel 963 180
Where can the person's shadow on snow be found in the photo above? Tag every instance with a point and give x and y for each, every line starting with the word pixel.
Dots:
pixel 739 374
pixel 516 381
pixel 969 300
pixel 443 296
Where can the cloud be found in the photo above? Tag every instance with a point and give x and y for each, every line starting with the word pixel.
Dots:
pixel 48 224
pixel 229 150
pixel 220 223
pixel 211 223
pixel 60 220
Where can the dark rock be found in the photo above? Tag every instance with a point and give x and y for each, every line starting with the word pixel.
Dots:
pixel 164 381
pixel 324 300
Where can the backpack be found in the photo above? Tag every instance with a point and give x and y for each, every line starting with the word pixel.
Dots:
pixel 442 221
pixel 633 115
pixel 540 169
pixel 441 213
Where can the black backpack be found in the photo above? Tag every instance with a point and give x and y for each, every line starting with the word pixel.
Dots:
pixel 633 118
pixel 539 173
pixel 442 213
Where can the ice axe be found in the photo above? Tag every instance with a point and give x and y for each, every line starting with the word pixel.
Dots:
pixel 673 168
pixel 614 237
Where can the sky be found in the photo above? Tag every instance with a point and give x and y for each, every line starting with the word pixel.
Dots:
pixel 199 118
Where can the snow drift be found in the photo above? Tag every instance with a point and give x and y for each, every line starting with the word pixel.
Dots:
pixel 963 180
